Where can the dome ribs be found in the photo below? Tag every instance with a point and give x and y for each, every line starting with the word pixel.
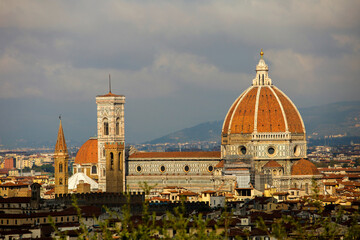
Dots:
pixel 293 117
pixel 270 118
pixel 225 128
pixel 243 116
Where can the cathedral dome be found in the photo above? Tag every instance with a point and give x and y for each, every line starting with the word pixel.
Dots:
pixel 304 167
pixel 88 153
pixel 263 108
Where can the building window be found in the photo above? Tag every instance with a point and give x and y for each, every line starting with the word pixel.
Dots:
pixel 60 181
pixel 162 169
pixel 186 168
pixel 138 169
pixel 210 168
pixel 111 161
pixel 120 161
pixel 243 150
pixel 106 127
pixel 117 126
pixel 93 170
pixel 296 151
pixel 271 150
pixel 60 167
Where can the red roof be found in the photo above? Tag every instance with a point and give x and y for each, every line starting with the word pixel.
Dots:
pixel 11 184
pixel 304 167
pixel 159 199
pixel 188 193
pixel 220 164
pixel 110 94
pixel 272 164
pixel 88 153
pixel 176 155
pixel 209 191
pixel 275 112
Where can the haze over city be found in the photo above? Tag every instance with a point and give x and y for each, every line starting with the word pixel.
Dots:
pixel 178 63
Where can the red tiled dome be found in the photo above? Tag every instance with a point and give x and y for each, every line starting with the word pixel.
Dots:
pixel 88 153
pixel 272 164
pixel 304 167
pixel 264 109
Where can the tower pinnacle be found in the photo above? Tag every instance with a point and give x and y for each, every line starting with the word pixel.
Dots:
pixel 262 69
pixel 60 142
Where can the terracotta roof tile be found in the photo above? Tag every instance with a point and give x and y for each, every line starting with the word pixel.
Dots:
pixel 270 117
pixel 110 94
pixel 88 153
pixel 292 116
pixel 188 193
pixel 304 167
pixel 243 116
pixel 272 164
pixel 220 164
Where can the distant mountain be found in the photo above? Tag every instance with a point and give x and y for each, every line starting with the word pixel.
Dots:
pixel 331 119
pixel 208 131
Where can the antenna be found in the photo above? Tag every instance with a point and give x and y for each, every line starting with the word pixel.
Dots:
pixel 109 83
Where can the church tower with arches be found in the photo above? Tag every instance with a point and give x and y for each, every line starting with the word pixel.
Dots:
pixel 110 142
pixel 61 158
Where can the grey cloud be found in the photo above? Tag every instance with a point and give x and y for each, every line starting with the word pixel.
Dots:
pixel 165 51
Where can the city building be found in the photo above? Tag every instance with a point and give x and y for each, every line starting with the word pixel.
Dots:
pixel 263 146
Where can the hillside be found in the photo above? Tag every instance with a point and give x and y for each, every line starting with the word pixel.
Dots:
pixel 331 119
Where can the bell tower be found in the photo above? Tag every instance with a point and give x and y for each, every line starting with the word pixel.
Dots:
pixel 61 158
pixel 111 140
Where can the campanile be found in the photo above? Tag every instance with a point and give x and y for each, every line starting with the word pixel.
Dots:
pixel 111 140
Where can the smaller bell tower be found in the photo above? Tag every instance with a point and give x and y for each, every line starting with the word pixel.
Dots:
pixel 61 158
pixel 115 174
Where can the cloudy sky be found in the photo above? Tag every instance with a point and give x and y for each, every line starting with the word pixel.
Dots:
pixel 179 63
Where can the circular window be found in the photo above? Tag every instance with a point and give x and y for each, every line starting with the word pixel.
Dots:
pixel 243 150
pixel 271 150
pixel 296 150
pixel 210 168
pixel 138 169
pixel 162 169
pixel 186 168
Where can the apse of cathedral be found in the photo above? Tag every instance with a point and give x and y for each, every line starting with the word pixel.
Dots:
pixel 263 144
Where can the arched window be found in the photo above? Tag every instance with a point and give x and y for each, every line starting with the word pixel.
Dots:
pixel 106 127
pixel 111 161
pixel 60 167
pixel 119 160
pixel 60 181
pixel 93 170
pixel 117 126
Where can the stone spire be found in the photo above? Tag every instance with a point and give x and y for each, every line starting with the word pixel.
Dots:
pixel 61 158
pixel 60 146
pixel 262 69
